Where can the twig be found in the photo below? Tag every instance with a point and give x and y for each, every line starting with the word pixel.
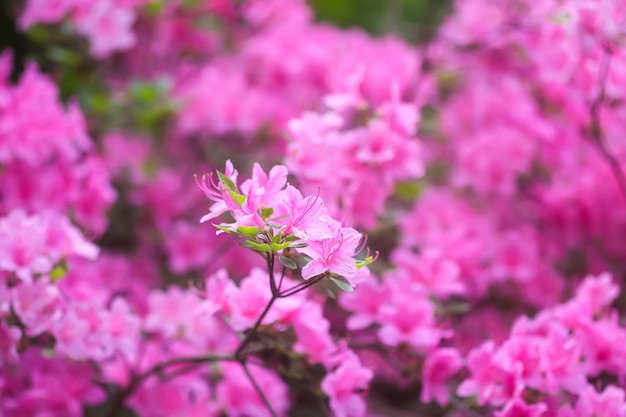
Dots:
pixel 597 133
pixel 138 379
pixel 302 286
pixel 270 269
pixel 282 276
pixel 258 389
pixel 239 354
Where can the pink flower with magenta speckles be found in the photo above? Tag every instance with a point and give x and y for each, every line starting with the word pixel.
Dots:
pixel 334 253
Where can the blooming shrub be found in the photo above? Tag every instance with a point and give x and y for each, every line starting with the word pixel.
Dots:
pixel 435 229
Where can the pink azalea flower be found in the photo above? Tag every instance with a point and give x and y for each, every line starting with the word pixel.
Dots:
pixel 313 333
pixel 609 403
pixel 247 302
pixel 333 254
pixel 519 408
pixel 438 368
pixel 304 214
pixel 343 385
pixel 9 339
pixel 408 317
pixel 38 305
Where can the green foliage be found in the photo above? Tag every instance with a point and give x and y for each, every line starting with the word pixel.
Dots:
pixel 413 19
pixel 59 271
pixel 341 283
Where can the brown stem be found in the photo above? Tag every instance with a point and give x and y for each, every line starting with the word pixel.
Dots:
pixel 138 379
pixel 302 286
pixel 270 269
pixel 258 389
pixel 239 354
pixel 282 276
pixel 597 133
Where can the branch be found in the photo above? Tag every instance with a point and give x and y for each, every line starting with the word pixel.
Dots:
pixel 270 270
pixel 302 286
pixel 138 379
pixel 597 133
pixel 258 389
pixel 239 354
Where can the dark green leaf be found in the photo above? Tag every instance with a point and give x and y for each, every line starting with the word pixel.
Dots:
pixel 288 263
pixel 227 181
pixel 340 282
pixel 266 212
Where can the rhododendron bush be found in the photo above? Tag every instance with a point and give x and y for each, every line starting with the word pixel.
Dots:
pixel 227 208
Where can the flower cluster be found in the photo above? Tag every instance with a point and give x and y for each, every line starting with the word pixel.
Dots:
pixel 40 138
pixel 487 165
pixel 550 363
pixel 275 218
pixel 356 166
pixel 107 24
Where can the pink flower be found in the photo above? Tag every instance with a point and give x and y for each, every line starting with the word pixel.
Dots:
pixel 408 316
pixel 107 25
pixel 9 339
pixel 45 11
pixel 333 254
pixel 304 214
pixel 265 190
pixel 491 380
pixel 22 245
pixel 313 333
pixel 219 193
pixel 247 302
pixel 218 288
pixel 433 270
pixel 172 312
pixel 609 403
pixel 438 368
pixel 38 305
pixel 343 385
pixel 519 408
pixel 364 304
pixel 45 386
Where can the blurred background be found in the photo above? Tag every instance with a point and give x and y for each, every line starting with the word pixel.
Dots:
pixel 412 19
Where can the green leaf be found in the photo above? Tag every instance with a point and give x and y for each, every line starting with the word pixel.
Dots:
pixel 155 8
pixel 238 198
pixel 341 282
pixel 261 247
pixel 276 240
pixel 288 263
pixel 280 246
pixel 63 56
pixel 266 212
pixel 226 229
pixel 58 272
pixel 263 237
pixel 249 231
pixel 145 93
pixel 409 191
pixel 227 181
pixel 298 245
